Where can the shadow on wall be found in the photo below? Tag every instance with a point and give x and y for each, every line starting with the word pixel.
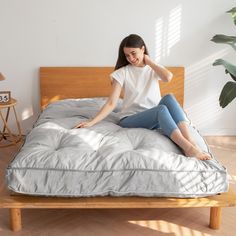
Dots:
pixel 202 104
pixel 201 88
pixel 30 112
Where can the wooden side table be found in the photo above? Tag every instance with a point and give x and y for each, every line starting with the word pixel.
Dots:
pixel 7 138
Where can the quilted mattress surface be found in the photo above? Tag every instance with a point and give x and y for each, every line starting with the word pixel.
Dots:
pixel 57 160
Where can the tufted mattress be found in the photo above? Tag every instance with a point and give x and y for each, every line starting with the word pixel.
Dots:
pixel 57 160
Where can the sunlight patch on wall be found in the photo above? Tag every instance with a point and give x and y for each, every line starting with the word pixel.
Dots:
pixel 206 111
pixel 167 33
pixel 27 113
pixel 158 39
pixel 201 97
pixel 197 67
pixel 168 228
pixel 174 28
pixel 197 72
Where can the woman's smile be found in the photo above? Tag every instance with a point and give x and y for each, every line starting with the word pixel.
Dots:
pixel 134 55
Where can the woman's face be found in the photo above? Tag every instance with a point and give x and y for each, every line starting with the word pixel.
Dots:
pixel 135 56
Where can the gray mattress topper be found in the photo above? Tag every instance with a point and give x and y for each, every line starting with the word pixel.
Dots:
pixel 105 159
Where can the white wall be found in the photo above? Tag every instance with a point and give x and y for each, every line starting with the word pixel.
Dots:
pixel 88 32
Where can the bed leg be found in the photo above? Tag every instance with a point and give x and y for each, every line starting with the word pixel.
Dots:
pixel 15 219
pixel 215 217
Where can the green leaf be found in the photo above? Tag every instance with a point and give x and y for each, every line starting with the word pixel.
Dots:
pixel 221 38
pixel 228 94
pixel 232 76
pixel 228 66
pixel 233 13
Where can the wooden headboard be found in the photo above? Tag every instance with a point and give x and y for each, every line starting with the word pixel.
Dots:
pixel 58 83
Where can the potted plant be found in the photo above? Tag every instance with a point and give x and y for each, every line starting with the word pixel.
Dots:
pixel 228 92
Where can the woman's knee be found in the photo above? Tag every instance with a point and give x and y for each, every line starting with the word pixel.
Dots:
pixel 169 96
pixel 161 108
pixel 158 111
pixel 169 100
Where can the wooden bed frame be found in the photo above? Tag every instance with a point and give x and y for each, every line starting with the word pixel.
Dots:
pixel 58 83
pixel 77 82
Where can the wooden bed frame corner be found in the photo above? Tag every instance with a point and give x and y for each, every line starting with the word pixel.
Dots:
pixel 78 82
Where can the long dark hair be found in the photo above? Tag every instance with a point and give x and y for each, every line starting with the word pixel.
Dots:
pixel 131 41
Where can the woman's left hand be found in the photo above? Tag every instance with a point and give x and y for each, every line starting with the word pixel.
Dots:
pixel 146 59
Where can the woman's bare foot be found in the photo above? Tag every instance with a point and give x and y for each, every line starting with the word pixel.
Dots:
pixel 193 143
pixel 199 154
pixel 190 149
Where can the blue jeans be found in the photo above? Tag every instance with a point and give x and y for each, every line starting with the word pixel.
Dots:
pixel 165 116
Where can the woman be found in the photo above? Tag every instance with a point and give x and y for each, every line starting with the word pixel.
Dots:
pixel 142 105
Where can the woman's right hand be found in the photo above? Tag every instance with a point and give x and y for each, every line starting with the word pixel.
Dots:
pixel 84 124
pixel 107 108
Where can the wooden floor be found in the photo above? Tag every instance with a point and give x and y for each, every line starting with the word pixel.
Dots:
pixel 171 222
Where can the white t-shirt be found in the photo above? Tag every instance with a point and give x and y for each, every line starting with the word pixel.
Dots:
pixel 141 88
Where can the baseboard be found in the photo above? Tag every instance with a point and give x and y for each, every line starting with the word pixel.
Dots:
pixel 218 132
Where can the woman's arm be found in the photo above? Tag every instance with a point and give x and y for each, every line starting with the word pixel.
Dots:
pixel 108 107
pixel 163 73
